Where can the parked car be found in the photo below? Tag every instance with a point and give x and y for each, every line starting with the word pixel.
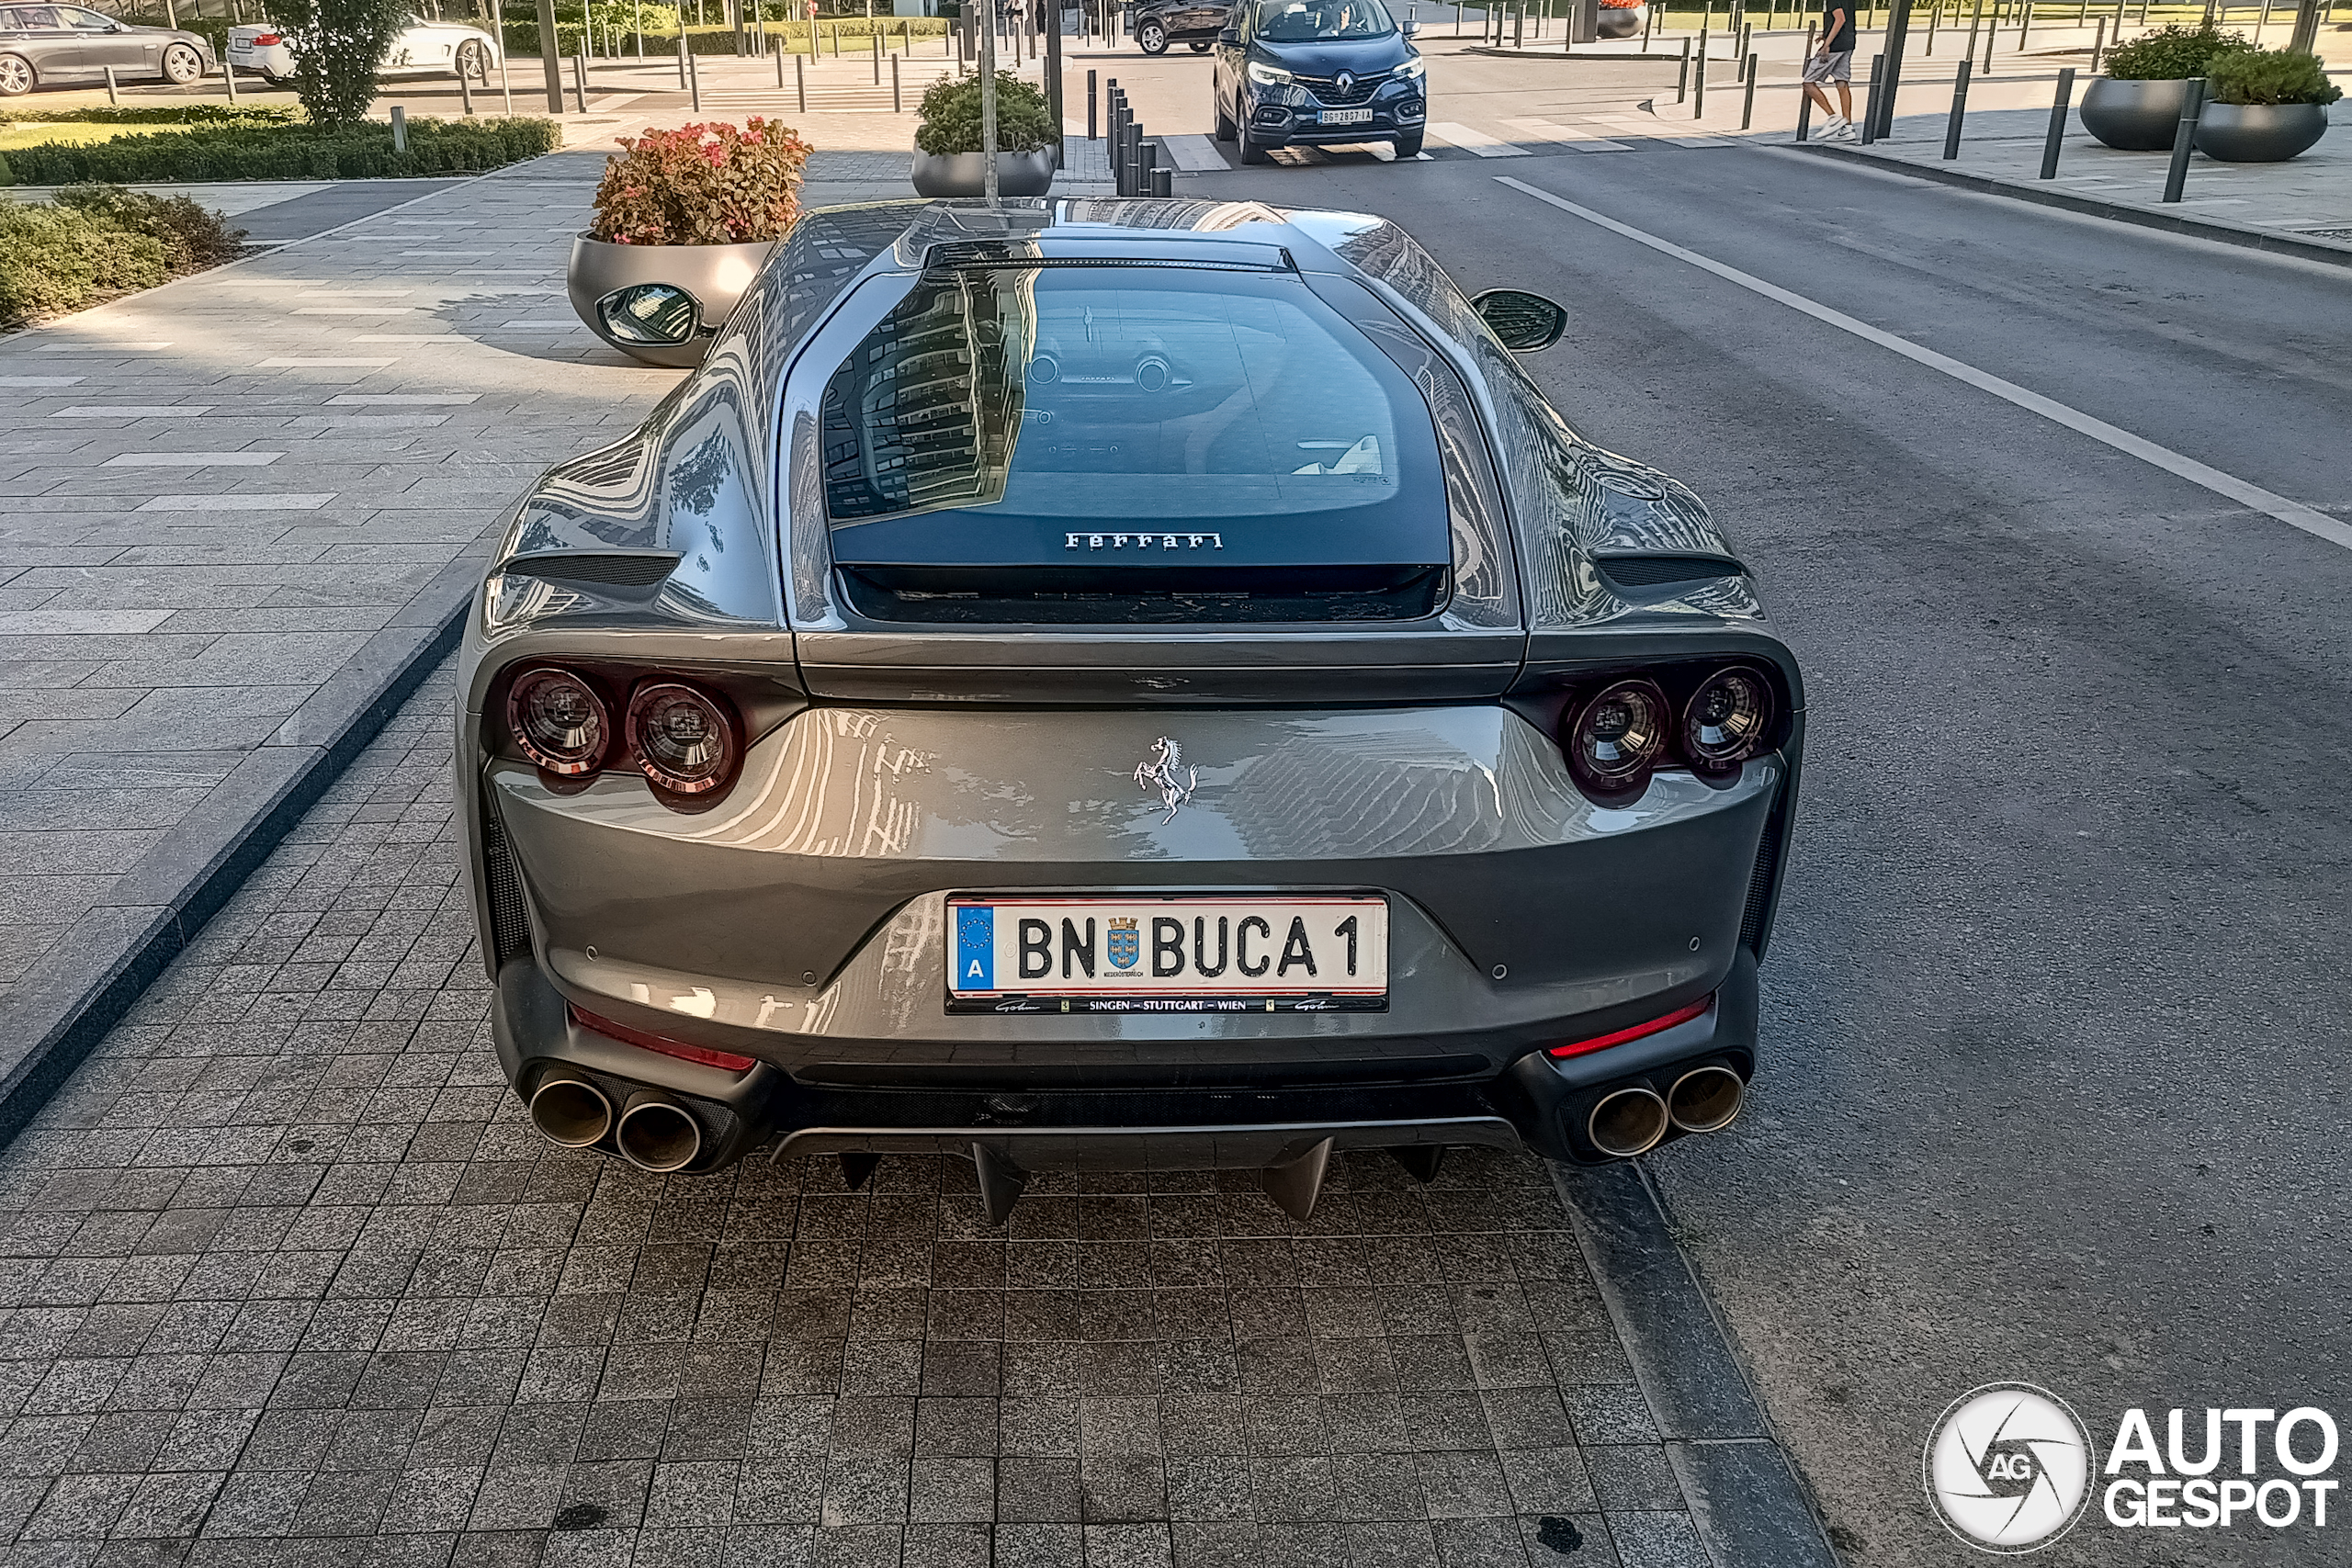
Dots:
pixel 421 49
pixel 1621 18
pixel 53 45
pixel 1155 24
pixel 1126 684
pixel 1294 73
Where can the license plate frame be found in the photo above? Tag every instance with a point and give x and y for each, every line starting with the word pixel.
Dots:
pixel 1309 960
pixel 1347 116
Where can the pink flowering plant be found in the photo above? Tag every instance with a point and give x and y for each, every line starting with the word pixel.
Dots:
pixel 702 184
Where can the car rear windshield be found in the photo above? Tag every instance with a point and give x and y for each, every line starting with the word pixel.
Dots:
pixel 1111 395
pixel 1303 21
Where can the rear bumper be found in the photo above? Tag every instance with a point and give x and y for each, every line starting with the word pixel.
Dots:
pixel 1058 1120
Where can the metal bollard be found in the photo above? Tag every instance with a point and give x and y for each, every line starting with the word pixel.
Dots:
pixel 1148 170
pixel 897 102
pixel 1163 182
pixel 877 57
pixel 1092 105
pixel 112 96
pixel 1746 55
pixel 580 77
pixel 400 129
pixel 229 76
pixel 2099 45
pixel 1747 103
pixel 799 82
pixel 1804 114
pixel 465 90
pixel 2184 138
pixel 1871 103
pixel 1959 110
pixel 693 82
pixel 778 52
pixel 2057 133
pixel 1682 76
pixel 1699 83
pixel 681 62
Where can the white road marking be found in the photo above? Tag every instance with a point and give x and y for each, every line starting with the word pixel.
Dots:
pixel 2294 513
pixel 235 502
pixel 1477 141
pixel 192 459
pixel 1195 152
pixel 1551 131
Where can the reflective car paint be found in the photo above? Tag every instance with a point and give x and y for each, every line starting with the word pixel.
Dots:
pixel 68 43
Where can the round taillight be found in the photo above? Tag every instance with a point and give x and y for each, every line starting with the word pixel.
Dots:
pixel 1727 718
pixel 559 720
pixel 1617 735
pixel 684 740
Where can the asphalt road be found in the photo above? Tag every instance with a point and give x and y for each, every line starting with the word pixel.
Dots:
pixel 2055 1019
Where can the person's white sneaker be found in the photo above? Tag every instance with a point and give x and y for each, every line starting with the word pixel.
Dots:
pixel 1846 131
pixel 1831 126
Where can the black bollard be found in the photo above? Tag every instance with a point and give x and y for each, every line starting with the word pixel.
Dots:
pixel 2057 133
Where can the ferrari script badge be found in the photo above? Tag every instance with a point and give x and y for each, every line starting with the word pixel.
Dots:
pixel 1160 775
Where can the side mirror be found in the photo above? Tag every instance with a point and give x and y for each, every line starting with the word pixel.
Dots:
pixel 1411 29
pixel 1230 37
pixel 1522 322
pixel 658 315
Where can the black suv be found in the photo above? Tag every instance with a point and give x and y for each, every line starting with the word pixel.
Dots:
pixel 1155 24
pixel 1303 71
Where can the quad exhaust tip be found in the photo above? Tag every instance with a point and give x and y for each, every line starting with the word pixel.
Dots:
pixel 1706 1100
pixel 1627 1122
pixel 657 1133
pixel 569 1109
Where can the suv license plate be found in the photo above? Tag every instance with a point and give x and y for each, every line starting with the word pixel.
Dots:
pixel 1312 952
pixel 1347 116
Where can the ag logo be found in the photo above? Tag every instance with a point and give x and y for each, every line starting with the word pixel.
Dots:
pixel 2009 1468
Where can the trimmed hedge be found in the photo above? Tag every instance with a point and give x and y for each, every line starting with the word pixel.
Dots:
pixel 96 241
pixel 175 114
pixel 291 153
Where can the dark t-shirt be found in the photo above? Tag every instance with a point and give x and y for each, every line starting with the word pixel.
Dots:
pixel 1842 40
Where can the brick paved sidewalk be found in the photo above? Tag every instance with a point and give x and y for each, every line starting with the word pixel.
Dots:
pixel 289 1279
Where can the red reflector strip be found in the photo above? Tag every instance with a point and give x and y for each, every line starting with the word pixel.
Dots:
pixel 704 1054
pixel 1655 1026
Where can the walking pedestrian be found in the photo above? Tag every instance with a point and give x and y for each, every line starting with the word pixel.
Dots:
pixel 1834 62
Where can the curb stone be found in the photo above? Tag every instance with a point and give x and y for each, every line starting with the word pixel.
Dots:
pixel 1747 1503
pixel 2332 251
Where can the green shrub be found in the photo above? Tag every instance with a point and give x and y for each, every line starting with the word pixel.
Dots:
pixel 291 153
pixel 59 258
pixel 2170 54
pixel 951 116
pixel 2270 77
pixel 337 46
pixel 192 237
pixel 172 114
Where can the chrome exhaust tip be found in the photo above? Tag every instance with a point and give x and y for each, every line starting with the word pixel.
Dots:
pixel 569 1109
pixel 1627 1122
pixel 657 1133
pixel 1706 1100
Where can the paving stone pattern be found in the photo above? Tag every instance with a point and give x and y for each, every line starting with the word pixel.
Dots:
pixel 221 489
pixel 287 1279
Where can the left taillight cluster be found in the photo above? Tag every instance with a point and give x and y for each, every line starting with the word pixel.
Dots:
pixel 1617 735
pixel 687 742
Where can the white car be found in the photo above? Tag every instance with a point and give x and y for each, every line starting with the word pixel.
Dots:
pixel 421 49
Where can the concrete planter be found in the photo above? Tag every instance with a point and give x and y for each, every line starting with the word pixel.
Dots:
pixel 961 174
pixel 2259 133
pixel 2134 117
pixel 714 275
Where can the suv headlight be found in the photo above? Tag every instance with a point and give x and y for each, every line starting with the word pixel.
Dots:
pixel 1408 70
pixel 1267 76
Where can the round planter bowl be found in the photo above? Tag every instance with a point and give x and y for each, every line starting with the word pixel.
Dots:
pixel 960 174
pixel 714 275
pixel 2134 117
pixel 2258 133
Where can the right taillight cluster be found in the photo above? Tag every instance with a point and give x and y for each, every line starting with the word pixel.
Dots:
pixel 1621 732
pixel 686 741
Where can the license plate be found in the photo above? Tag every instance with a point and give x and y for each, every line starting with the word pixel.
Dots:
pixel 1347 116
pixel 1314 952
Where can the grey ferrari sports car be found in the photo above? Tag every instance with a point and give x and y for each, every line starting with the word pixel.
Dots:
pixel 1130 684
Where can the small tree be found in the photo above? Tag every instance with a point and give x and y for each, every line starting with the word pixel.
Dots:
pixel 337 46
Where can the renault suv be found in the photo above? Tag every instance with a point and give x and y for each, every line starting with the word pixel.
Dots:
pixel 1309 72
